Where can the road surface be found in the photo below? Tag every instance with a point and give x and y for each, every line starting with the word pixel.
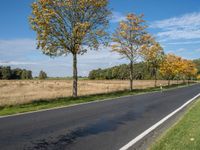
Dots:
pixel 107 125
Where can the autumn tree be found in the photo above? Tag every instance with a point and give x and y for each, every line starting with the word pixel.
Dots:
pixel 170 67
pixel 153 54
pixel 70 27
pixel 128 39
pixel 198 77
pixel 197 63
pixel 189 70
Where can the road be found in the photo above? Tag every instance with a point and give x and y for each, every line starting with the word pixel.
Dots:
pixel 106 125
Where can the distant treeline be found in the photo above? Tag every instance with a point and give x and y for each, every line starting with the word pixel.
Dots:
pixel 121 72
pixel 6 73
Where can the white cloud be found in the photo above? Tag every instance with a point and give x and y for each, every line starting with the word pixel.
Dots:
pixel 15 63
pixel 17 44
pixel 183 43
pixel 15 49
pixel 187 20
pixel 179 34
pixel 188 53
pixel 197 50
pixel 22 53
pixel 183 27
pixel 180 50
pixel 117 17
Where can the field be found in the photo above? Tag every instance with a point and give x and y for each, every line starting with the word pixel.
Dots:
pixel 24 91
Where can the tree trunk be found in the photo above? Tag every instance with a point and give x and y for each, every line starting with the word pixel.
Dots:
pixel 131 76
pixel 75 76
pixel 155 77
pixel 168 82
pixel 184 80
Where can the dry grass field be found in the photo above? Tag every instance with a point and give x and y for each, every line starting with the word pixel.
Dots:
pixel 24 91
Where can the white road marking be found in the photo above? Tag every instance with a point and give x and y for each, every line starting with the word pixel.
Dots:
pixel 146 132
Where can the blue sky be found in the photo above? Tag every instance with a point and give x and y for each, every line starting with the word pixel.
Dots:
pixel 174 23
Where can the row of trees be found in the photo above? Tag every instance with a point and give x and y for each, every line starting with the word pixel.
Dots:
pixel 75 26
pixel 6 73
pixel 121 72
pixel 171 67
pixel 132 42
pixel 175 67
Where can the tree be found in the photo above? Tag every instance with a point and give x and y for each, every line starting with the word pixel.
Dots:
pixel 70 27
pixel 24 75
pixel 121 72
pixel 197 63
pixel 16 73
pixel 198 77
pixel 171 67
pixel 128 39
pixel 189 69
pixel 1 72
pixel 153 54
pixel 29 74
pixel 6 73
pixel 42 75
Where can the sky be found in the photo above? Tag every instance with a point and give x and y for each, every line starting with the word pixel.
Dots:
pixel 174 23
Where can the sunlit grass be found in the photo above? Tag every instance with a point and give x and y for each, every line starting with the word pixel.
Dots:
pixel 185 135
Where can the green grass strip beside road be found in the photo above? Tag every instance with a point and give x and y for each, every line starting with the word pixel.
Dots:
pixel 68 101
pixel 185 135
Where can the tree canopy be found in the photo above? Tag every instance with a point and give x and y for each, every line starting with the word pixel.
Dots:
pixel 128 39
pixel 70 27
pixel 42 75
pixel 153 54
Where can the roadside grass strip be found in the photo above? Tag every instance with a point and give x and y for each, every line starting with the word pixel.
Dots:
pixel 184 135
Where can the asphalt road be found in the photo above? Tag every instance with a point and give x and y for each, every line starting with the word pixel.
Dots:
pixel 106 125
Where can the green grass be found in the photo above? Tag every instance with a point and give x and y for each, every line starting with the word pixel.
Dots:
pixel 185 135
pixel 67 101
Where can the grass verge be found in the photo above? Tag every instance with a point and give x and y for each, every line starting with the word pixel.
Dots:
pixel 185 135
pixel 67 101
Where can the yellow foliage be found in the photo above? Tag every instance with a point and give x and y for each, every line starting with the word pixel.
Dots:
pixel 128 38
pixel 198 77
pixel 151 51
pixel 169 66
pixel 64 26
pixel 174 66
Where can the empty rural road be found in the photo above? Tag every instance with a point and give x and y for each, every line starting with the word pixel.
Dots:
pixel 107 125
